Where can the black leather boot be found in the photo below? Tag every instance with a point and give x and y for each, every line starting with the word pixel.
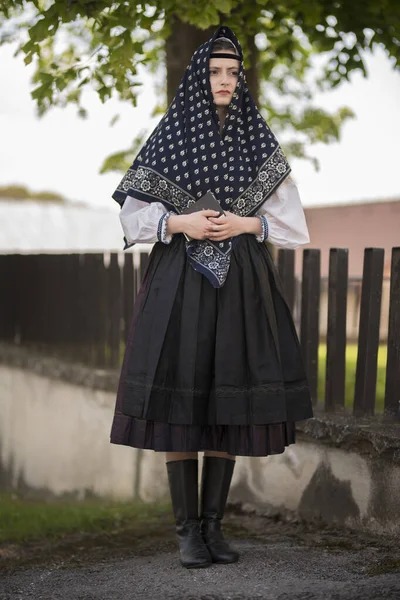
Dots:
pixel 215 482
pixel 183 483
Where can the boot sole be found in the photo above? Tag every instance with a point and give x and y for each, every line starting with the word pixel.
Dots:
pixel 225 562
pixel 201 566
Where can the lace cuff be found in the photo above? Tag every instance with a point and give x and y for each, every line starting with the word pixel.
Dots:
pixel 264 229
pixel 162 229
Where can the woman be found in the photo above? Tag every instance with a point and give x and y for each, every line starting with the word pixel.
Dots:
pixel 212 362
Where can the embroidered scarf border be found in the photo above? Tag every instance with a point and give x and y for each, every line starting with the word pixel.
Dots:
pixel 149 185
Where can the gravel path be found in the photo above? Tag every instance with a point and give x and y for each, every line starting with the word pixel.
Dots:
pixel 286 561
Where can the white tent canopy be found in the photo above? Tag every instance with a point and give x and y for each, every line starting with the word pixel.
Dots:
pixel 29 226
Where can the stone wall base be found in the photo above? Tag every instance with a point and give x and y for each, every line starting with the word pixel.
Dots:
pixel 54 440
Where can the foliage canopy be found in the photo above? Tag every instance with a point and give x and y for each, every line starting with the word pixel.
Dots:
pixel 302 46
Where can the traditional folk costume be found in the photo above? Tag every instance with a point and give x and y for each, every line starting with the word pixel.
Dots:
pixel 212 361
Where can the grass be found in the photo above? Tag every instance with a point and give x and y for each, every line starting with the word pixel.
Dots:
pixel 27 520
pixel 390 565
pixel 351 363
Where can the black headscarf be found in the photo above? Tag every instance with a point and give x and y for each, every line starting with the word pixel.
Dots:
pixel 186 155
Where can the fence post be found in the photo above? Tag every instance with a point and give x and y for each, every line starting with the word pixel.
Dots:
pixel 26 288
pixel 58 309
pixel 336 333
pixel 392 389
pixel 83 351
pixel 114 310
pixel 286 273
pixel 144 261
pixel 100 310
pixel 66 301
pixel 40 326
pixel 309 324
pixel 8 297
pixel 72 276
pixel 5 299
pixel 93 318
pixel 368 332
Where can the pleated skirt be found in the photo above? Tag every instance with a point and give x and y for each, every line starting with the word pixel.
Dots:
pixel 211 369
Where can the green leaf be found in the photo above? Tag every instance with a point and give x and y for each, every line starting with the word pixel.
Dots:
pixel 82 113
pixel 223 6
pixel 114 120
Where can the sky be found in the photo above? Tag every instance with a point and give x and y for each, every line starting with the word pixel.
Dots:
pixel 63 153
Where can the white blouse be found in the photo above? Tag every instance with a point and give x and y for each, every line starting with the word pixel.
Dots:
pixel 287 227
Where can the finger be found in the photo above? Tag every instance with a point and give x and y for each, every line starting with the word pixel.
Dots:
pixel 217 220
pixel 218 232
pixel 209 213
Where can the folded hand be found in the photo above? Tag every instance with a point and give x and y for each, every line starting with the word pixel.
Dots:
pixel 226 226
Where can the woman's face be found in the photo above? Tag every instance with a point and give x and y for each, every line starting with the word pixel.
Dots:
pixel 224 74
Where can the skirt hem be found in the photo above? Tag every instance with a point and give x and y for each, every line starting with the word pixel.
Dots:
pixel 237 440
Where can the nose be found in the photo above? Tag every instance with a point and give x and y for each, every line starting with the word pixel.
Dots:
pixel 224 78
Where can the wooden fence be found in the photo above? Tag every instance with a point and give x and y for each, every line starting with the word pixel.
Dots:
pixel 79 307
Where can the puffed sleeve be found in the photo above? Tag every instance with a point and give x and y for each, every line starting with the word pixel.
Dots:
pixel 143 222
pixel 287 227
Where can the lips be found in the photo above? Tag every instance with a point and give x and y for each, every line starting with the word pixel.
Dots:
pixel 224 93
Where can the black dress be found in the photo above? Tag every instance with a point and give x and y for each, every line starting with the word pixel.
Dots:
pixel 211 369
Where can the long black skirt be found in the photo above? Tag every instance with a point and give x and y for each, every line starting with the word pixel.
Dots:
pixel 211 369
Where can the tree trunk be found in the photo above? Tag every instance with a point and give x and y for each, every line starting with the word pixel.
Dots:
pixel 181 44
pixel 252 72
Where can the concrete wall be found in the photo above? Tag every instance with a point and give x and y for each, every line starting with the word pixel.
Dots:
pixel 54 439
pixel 55 436
pixel 353 226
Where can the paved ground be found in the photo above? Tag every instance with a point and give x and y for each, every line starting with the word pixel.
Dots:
pixel 280 561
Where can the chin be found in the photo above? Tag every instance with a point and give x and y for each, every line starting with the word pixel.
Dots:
pixel 224 101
